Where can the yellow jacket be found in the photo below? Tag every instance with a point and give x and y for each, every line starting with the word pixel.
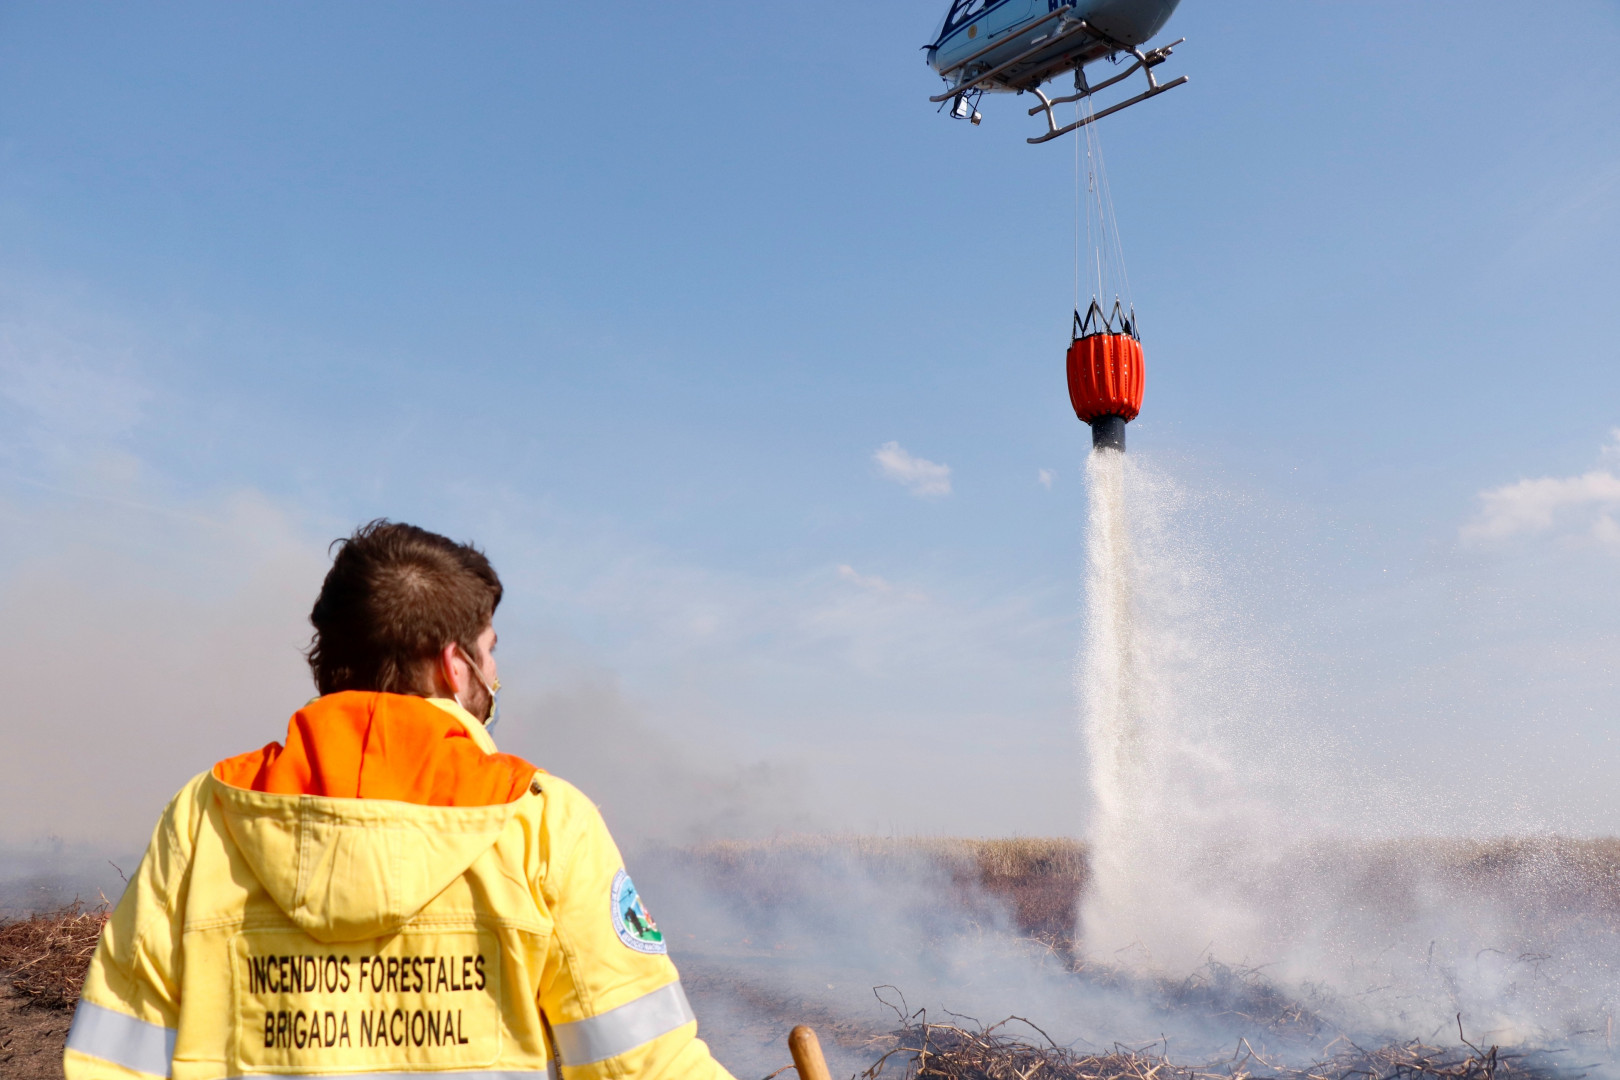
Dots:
pixel 383 895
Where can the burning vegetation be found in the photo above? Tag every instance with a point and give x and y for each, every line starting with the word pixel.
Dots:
pixel 1016 1049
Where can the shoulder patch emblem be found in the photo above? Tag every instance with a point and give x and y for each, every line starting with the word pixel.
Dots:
pixel 630 919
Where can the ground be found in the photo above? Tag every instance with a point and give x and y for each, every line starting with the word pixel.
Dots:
pixel 31 1038
pixel 42 964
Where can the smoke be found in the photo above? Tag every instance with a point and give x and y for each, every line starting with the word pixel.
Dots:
pixel 138 651
pixel 826 931
pixel 133 663
pixel 652 788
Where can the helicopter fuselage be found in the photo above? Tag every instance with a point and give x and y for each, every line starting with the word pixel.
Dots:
pixel 979 36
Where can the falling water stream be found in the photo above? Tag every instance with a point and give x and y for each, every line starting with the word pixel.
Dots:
pixel 1109 688
pixel 1162 683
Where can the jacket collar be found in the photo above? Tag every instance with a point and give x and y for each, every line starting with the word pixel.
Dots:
pixel 475 728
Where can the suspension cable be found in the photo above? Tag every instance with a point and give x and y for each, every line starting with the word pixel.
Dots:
pixel 1077 214
pixel 1106 260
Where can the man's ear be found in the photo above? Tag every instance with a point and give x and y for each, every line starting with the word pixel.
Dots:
pixel 450 673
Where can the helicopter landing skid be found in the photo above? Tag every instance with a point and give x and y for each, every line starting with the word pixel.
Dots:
pixel 1145 62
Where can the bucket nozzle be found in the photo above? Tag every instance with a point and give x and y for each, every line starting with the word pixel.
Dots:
pixel 1108 433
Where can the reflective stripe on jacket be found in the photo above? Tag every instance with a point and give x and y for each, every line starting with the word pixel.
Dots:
pixel 383 896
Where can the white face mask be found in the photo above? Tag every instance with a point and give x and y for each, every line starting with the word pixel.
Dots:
pixel 494 716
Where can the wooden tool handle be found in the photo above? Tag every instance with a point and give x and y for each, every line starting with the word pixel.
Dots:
pixel 806 1051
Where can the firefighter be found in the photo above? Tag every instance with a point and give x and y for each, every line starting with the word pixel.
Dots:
pixel 385 893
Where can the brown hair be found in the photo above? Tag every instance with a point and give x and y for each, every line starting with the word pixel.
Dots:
pixel 395 596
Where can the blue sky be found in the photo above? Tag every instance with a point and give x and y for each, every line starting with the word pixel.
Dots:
pixel 634 300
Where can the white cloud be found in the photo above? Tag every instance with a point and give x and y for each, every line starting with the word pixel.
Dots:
pixel 1045 478
pixel 1611 452
pixel 1582 503
pixel 870 582
pixel 923 477
pixel 878 586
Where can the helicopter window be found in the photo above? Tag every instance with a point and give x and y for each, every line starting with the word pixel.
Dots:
pixel 964 11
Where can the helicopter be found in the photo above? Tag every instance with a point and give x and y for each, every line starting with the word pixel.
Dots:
pixel 1017 45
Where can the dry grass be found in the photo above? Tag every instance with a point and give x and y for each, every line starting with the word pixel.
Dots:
pixel 1010 1050
pixel 1007 856
pixel 44 958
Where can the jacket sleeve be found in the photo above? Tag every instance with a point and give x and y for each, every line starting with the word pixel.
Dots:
pixel 128 1013
pixel 609 993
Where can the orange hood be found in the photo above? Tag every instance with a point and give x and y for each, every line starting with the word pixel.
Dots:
pixel 364 745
